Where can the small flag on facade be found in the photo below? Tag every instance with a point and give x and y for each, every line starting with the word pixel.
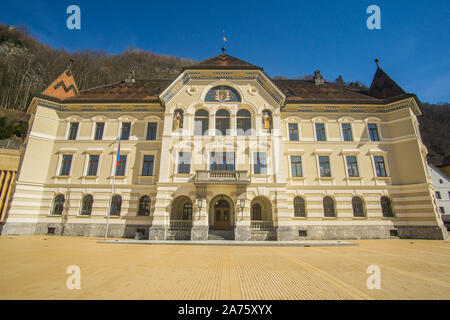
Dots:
pixel 118 154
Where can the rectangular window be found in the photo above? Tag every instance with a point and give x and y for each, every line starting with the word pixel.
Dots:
pixel 296 166
pixel 260 165
pixel 151 131
pixel 324 164
pixel 293 132
pixel 320 132
pixel 147 166
pixel 379 166
pixel 126 128
pixel 184 162
pixel 449 194
pixel 99 127
pixel 65 165
pixel 352 166
pixel 93 165
pixel 120 169
pixel 438 195
pixel 347 132
pixel 373 132
pixel 73 130
pixel 222 161
pixel 442 210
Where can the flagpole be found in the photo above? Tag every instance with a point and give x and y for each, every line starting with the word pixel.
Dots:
pixel 112 191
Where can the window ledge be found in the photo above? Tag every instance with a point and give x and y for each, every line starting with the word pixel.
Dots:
pixel 113 217
pixel 61 177
pixel 325 178
pixel 383 178
pixel 117 177
pixel 83 216
pixel 329 218
pixel 54 215
pixel 89 177
pixel 353 178
pixel 298 178
pixel 300 218
pixel 359 218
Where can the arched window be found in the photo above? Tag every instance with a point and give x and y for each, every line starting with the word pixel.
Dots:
pixel 187 211
pixel 386 207
pixel 144 206
pixel 299 207
pixel 222 121
pixel 256 212
pixel 86 205
pixel 328 207
pixel 358 207
pixel 58 205
pixel 116 205
pixel 201 122
pixel 244 123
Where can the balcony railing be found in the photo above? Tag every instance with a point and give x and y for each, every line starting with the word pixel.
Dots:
pixel 180 224
pixel 230 176
pixel 261 225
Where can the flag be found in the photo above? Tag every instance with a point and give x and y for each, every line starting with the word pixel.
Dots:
pixel 225 39
pixel 118 154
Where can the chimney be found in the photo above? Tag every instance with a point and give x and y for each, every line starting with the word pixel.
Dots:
pixel 318 79
pixel 131 77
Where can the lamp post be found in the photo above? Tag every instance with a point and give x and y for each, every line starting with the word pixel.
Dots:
pixel 242 205
pixel 199 205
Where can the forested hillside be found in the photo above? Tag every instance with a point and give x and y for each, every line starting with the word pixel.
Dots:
pixel 27 67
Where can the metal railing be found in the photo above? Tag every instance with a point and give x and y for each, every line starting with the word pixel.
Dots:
pixel 261 225
pixel 180 224
pixel 10 144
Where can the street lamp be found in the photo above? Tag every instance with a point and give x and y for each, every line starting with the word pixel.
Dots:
pixel 242 205
pixel 199 205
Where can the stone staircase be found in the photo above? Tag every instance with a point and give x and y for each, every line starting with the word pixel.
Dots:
pixel 220 234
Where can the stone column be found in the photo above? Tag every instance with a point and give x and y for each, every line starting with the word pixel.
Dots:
pixel 161 214
pixel 242 231
pixel 200 225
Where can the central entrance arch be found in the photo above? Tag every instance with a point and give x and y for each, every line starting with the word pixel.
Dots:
pixel 221 213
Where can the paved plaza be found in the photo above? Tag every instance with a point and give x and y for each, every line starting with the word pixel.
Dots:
pixel 34 267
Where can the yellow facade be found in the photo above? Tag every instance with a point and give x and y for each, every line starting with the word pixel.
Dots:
pixel 201 202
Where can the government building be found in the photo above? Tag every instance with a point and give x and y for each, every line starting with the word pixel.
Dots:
pixel 225 152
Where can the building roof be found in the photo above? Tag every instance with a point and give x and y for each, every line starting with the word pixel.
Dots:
pixel 138 91
pixel 382 90
pixel 308 91
pixel 383 87
pixel 63 87
pixel 223 61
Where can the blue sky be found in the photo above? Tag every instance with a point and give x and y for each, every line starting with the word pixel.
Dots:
pixel 289 38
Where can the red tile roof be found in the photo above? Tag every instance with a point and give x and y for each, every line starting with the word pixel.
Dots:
pixel 63 87
pixel 139 91
pixel 307 90
pixel 382 90
pixel 223 61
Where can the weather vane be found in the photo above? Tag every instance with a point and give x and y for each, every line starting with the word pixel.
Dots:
pixel 224 39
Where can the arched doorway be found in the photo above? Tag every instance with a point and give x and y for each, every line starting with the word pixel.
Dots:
pixel 221 211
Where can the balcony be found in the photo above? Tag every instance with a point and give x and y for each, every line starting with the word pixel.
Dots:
pixel 221 176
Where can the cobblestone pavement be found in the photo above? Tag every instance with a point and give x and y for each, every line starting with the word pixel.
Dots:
pixel 34 267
